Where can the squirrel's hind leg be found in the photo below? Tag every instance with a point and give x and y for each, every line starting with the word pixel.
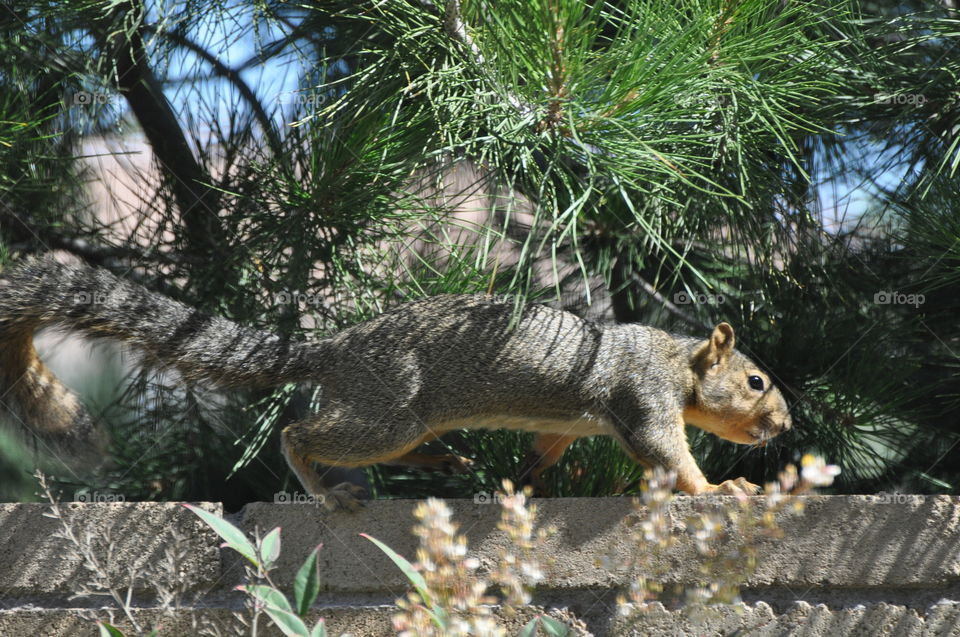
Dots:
pixel 341 437
pixel 345 495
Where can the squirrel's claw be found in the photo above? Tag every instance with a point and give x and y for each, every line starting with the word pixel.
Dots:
pixel 455 465
pixel 739 486
pixel 345 495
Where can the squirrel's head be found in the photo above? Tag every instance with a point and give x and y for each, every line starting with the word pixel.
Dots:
pixel 732 398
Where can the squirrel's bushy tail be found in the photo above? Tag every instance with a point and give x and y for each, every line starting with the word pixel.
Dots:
pixel 42 292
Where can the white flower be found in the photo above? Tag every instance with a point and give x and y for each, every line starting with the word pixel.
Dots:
pixel 817 472
pixel 531 571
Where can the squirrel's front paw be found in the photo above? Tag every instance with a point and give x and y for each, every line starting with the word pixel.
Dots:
pixel 740 486
pixel 455 465
pixel 345 495
pixel 447 463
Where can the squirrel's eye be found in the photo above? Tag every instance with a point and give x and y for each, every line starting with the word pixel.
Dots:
pixel 755 383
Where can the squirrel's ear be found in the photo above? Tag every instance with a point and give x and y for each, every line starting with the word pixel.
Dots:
pixel 721 343
pixel 717 349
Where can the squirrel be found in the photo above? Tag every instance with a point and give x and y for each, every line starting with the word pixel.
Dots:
pixel 407 376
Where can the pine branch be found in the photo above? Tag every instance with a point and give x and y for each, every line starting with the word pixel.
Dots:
pixel 197 201
pixel 232 76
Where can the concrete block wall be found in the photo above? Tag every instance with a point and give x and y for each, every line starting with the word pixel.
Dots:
pixel 858 565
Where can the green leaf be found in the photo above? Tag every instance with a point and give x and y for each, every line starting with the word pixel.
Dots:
pixel 289 623
pixel 270 548
pixel 415 578
pixel 530 629
pixel 306 584
pixel 232 536
pixel 553 627
pixel 320 630
pixel 271 597
pixel 106 630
